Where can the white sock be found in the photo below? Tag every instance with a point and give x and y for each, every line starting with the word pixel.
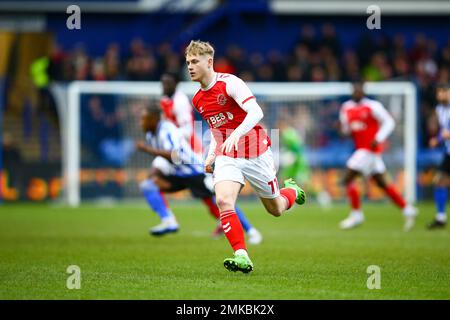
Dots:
pixel 357 213
pixel 241 252
pixel 171 219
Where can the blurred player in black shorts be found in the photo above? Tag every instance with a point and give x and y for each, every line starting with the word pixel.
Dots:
pixel 176 167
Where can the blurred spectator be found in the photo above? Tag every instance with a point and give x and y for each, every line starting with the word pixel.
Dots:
pixel 301 57
pixel 141 64
pixel 401 66
pixel 98 70
pixel 378 69
pixel 329 39
pixel 444 57
pixel 57 61
pixel 264 73
pixel 294 73
pixel 399 44
pixel 247 76
pixel 222 64
pixel 275 61
pixel 318 74
pixel 81 63
pixel 112 62
pixel 308 37
pixel 351 66
pixel 316 56
pixel 236 57
pixel 365 48
pixel 419 50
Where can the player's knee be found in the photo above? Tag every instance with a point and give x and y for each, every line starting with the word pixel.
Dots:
pixel 440 180
pixel 380 183
pixel 224 202
pixel 441 183
pixel 148 185
pixel 347 181
pixel 276 212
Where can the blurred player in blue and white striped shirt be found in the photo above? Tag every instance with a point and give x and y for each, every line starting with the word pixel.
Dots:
pixel 176 167
pixel 440 182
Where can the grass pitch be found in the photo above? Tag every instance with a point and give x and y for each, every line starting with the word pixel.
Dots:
pixel 304 255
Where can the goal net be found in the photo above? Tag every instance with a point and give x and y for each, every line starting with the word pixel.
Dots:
pixel 101 125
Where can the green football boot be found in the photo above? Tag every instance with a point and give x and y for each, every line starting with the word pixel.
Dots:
pixel 239 263
pixel 301 195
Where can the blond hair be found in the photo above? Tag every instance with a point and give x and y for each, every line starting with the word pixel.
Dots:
pixel 199 48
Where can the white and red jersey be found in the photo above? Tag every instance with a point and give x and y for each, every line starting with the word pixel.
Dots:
pixel 178 110
pixel 366 120
pixel 222 105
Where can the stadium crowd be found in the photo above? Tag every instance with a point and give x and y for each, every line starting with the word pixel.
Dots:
pixel 318 55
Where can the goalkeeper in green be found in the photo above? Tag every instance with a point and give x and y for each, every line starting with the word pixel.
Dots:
pixel 293 160
pixel 295 164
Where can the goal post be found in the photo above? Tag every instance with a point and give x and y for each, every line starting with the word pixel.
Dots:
pixel 304 99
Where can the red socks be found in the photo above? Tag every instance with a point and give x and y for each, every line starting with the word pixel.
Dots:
pixel 233 229
pixel 395 196
pixel 212 207
pixel 290 195
pixel 353 196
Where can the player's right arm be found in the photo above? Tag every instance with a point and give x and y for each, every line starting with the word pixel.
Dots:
pixel 143 147
pixel 211 157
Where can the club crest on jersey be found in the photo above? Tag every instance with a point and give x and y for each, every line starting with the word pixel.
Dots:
pixel 221 99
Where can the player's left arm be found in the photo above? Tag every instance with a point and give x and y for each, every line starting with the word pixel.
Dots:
pixel 387 123
pixel 240 92
pixel 343 119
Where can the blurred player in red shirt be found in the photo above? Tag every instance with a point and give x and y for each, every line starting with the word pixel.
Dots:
pixel 369 124
pixel 177 109
pixel 239 148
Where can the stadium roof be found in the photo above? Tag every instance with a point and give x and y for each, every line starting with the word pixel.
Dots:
pixel 331 7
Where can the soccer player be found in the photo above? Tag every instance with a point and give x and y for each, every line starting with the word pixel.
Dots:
pixel 165 142
pixel 293 154
pixel 295 164
pixel 177 108
pixel 440 180
pixel 239 148
pixel 369 124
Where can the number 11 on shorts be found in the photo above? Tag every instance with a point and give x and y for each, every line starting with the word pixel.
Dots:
pixel 274 185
